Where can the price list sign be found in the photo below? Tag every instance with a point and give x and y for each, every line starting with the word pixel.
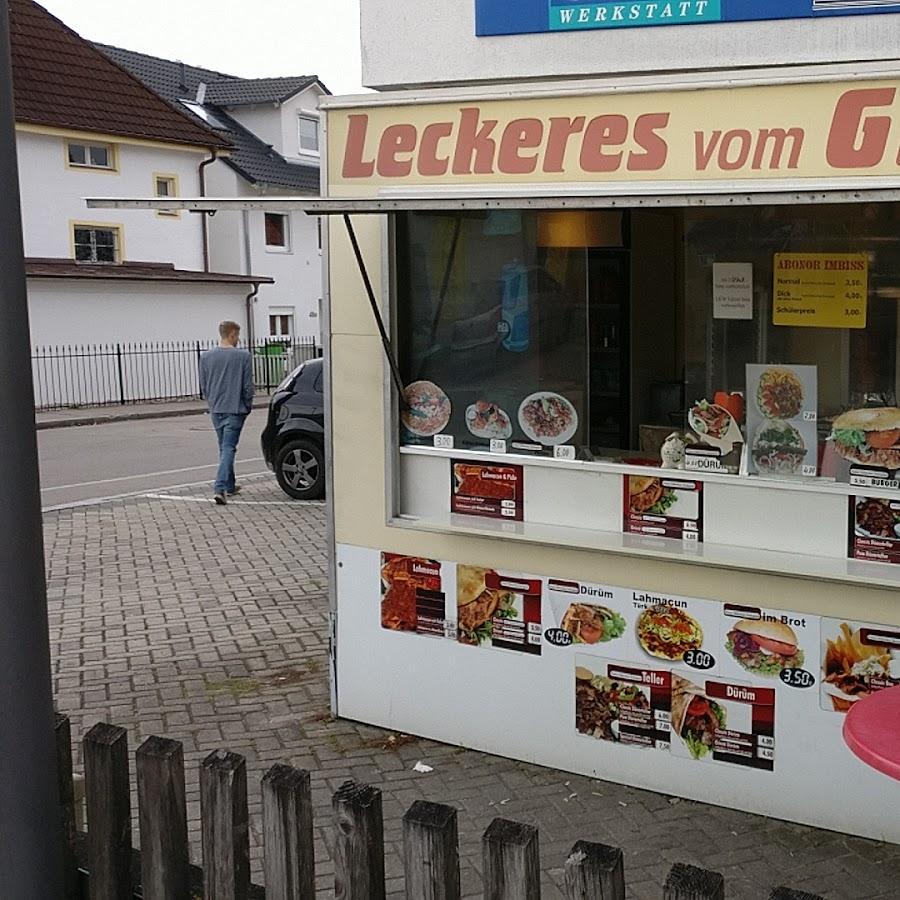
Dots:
pixel 821 290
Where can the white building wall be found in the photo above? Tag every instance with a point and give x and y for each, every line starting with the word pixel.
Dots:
pixel 53 198
pixel 306 102
pixel 439 46
pixel 262 119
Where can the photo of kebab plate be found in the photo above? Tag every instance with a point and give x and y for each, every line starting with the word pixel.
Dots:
pixel 477 605
pixel 870 437
pixel 599 701
pixel 589 623
pixel 878 518
pixel 647 495
pixel 853 670
pixel 779 394
pixel 667 632
pixel 764 648
pixel 778 448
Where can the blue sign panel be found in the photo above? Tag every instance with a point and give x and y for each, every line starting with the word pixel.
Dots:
pixel 528 16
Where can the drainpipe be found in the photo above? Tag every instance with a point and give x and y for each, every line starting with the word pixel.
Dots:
pixel 250 298
pixel 205 216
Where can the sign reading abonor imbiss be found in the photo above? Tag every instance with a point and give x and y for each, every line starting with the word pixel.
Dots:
pixel 494 17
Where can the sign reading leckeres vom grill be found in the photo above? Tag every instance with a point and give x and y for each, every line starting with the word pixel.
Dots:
pixel 495 17
pixel 777 132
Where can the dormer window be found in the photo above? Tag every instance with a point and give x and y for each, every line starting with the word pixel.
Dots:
pixel 309 134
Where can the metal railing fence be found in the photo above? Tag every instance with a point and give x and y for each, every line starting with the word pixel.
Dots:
pixel 78 375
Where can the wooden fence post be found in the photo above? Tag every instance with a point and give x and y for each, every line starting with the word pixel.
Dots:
pixel 512 862
pixel 595 872
pixel 225 826
pixel 431 852
pixel 359 843
pixel 290 862
pixel 690 883
pixel 783 893
pixel 109 812
pixel 162 812
pixel 66 790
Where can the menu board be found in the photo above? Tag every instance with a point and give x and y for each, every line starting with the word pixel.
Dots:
pixel 412 598
pixel 821 290
pixel 858 659
pixel 874 529
pixel 498 610
pixel 488 490
pixel 782 403
pixel 667 507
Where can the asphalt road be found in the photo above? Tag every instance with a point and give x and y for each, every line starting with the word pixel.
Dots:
pixel 93 462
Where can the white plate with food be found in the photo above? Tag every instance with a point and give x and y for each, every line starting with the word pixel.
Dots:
pixel 778 448
pixel 486 420
pixel 548 418
pixel 427 409
pixel 714 425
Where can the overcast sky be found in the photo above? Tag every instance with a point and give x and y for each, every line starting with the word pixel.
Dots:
pixel 251 39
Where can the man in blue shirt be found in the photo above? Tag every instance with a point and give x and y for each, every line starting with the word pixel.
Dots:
pixel 226 380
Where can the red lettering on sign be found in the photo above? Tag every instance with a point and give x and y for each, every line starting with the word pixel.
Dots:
pixel 474 141
pixel 845 150
pixel 704 150
pixel 601 132
pixel 354 164
pixel 561 129
pixel 429 161
pixel 737 136
pixel 520 134
pixel 656 150
pixel 396 140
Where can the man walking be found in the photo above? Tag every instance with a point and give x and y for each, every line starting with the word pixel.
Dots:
pixel 226 380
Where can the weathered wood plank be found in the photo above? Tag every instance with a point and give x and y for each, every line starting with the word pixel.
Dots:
pixel 783 893
pixel 690 883
pixel 359 843
pixel 290 860
pixel 66 791
pixel 595 872
pixel 431 852
pixel 109 812
pixel 225 826
pixel 512 863
pixel 162 813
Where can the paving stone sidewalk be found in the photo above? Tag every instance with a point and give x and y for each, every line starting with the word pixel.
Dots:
pixel 207 624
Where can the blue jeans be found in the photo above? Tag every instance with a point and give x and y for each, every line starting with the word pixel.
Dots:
pixel 228 431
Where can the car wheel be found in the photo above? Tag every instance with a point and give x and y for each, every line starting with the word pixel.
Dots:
pixel 300 470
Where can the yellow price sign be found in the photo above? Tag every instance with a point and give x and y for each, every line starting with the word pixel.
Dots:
pixel 821 290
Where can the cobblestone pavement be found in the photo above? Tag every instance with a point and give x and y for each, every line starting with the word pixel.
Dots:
pixel 172 616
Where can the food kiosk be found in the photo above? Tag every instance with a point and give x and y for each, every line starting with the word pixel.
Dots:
pixel 569 276
pixel 612 372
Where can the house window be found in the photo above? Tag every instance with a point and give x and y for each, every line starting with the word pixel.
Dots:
pixel 97 244
pixel 281 324
pixel 278 235
pixel 309 134
pixel 166 186
pixel 91 156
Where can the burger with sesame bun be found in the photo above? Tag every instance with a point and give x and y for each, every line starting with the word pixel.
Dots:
pixel 764 647
pixel 869 436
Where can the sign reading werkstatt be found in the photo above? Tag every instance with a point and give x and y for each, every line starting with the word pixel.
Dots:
pixel 524 16
pixel 821 290
pixel 827 130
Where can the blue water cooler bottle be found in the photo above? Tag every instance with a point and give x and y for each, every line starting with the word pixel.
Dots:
pixel 515 307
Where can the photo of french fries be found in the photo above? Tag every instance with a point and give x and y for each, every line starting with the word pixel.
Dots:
pixel 853 669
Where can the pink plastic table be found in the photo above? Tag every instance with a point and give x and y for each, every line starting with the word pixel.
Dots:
pixel 872 731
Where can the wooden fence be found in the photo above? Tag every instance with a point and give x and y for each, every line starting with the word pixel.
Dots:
pixel 102 865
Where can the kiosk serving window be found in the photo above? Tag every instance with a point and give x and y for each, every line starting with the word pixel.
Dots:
pixel 600 330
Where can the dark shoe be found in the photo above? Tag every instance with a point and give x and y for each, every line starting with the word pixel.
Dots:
pixel 235 490
pixel 220 499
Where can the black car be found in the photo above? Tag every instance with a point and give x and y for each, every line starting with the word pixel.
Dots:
pixel 293 442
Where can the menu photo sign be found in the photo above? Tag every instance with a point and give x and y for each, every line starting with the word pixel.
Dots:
pixel 874 529
pixel 664 507
pixel 782 417
pixel 821 290
pixel 488 490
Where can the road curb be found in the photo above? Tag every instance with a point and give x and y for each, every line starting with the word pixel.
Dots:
pixel 107 418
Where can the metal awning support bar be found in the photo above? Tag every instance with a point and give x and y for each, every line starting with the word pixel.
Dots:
pixel 376 312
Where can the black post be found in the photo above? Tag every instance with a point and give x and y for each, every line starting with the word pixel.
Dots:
pixel 31 849
pixel 121 374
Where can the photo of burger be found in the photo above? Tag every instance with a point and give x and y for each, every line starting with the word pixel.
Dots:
pixel 763 647
pixel 589 623
pixel 477 605
pixel 869 436
pixel 696 718
pixel 647 495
